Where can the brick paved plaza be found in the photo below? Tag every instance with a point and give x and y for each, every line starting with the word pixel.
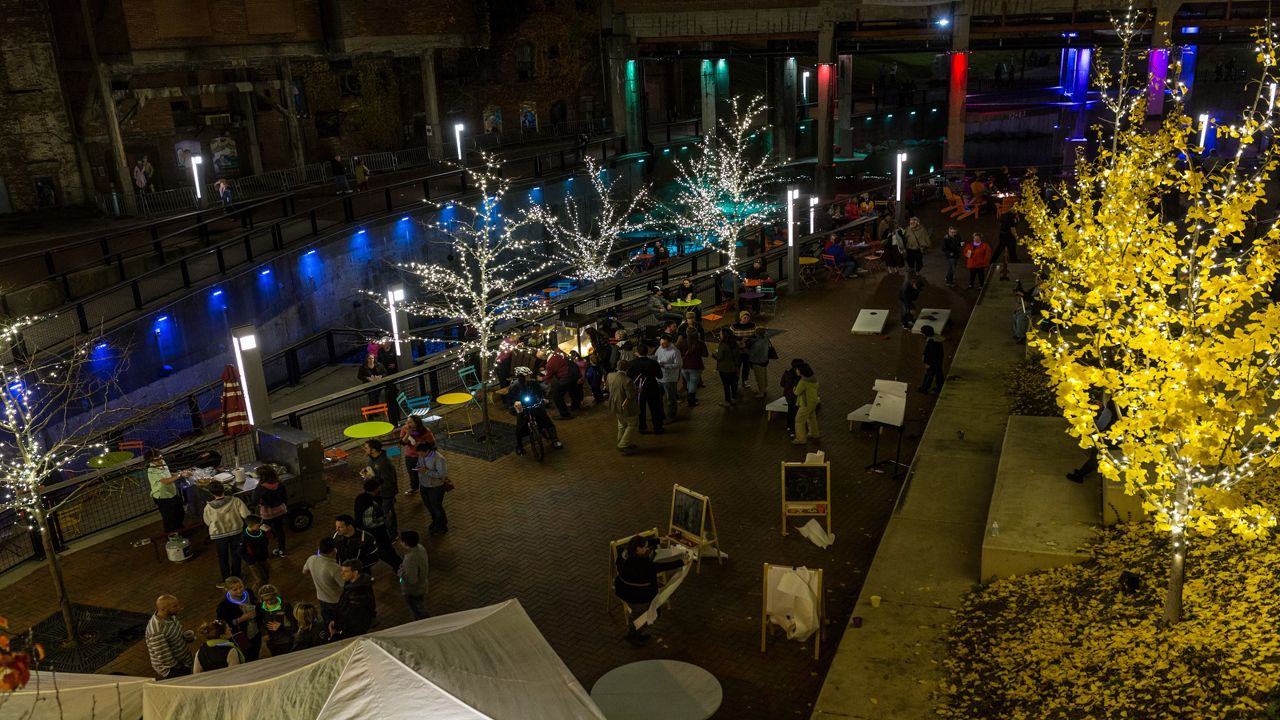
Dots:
pixel 540 533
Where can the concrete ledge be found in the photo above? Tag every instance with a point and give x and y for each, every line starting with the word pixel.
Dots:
pixel 34 299
pixel 1044 518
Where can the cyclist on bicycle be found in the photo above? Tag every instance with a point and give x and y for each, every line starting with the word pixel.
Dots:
pixel 527 394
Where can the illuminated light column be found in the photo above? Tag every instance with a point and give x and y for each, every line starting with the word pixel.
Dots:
pixel 196 162
pixel 813 211
pixel 804 86
pixel 633 87
pixel 457 139
pixel 253 381
pixel 399 324
pixel 899 168
pixel 1187 77
pixel 1157 75
pixel 824 171
pixel 707 76
pixel 1080 79
pixel 782 108
pixel 793 253
pixel 844 104
pixel 957 87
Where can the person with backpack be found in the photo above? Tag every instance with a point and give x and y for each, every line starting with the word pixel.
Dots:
pixel 370 515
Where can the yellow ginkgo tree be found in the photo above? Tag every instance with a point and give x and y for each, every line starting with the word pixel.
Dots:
pixel 1158 263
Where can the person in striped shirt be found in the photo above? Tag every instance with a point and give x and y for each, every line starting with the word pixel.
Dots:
pixel 166 640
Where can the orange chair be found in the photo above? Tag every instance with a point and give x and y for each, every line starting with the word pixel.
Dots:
pixel 717 313
pixel 829 263
pixel 379 409
pixel 131 445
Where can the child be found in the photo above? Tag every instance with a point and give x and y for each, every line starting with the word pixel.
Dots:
pixel 595 377
pixel 255 549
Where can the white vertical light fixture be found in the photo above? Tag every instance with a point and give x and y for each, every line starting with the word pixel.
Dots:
pixel 395 295
pixel 1204 127
pixel 813 205
pixel 804 85
pixel 241 344
pixel 792 195
pixel 897 187
pixel 1272 106
pixel 196 161
pixel 457 138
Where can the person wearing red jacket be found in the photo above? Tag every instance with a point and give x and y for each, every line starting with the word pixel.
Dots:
pixel 562 379
pixel 977 257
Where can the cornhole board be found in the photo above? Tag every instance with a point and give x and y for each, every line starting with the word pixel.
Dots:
pixel 935 318
pixel 870 322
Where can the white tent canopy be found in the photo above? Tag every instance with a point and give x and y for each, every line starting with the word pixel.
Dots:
pixel 59 696
pixel 489 662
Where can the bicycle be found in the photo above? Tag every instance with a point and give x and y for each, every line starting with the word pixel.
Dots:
pixel 535 435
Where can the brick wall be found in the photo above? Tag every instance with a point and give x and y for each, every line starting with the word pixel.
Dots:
pixel 154 24
pixel 396 17
pixel 36 141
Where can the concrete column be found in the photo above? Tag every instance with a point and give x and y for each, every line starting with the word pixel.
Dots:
pixel 247 350
pixel 431 105
pixel 124 180
pixel 724 97
pixel 783 107
pixel 824 172
pixel 249 108
pixel 636 111
pixel 1158 58
pixel 707 76
pixel 616 57
pixel 844 104
pixel 291 116
pixel 957 86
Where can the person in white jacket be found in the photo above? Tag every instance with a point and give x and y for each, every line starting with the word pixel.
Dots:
pixel 224 515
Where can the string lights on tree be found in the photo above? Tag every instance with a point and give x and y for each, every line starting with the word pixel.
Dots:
pixel 49 404
pixel 1158 263
pixel 586 237
pixel 722 191
pixel 491 257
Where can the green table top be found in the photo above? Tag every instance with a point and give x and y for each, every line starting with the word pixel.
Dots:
pixel 687 303
pixel 110 459
pixel 366 430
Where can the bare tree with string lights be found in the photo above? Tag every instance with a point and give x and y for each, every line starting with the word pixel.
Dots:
pixel 492 256
pixel 49 404
pixel 586 234
pixel 722 191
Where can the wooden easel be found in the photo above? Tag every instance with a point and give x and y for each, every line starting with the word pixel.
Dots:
pixel 806 492
pixel 820 607
pixel 697 529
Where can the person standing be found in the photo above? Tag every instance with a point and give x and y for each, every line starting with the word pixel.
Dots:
pixel 669 359
pixel 759 352
pixel 625 406
pixel 916 238
pixel 239 609
pixel 560 377
pixel 139 177
pixel 312 629
pixel 167 641
pixel 339 172
pixel 743 330
pixel 1008 243
pixel 727 361
pixel 907 296
pixel 362 174
pixel 933 357
pixel 371 518
pixel 433 471
pixel 381 469
pixel 807 399
pixel 357 608
pixel 224 515
pixel 646 373
pixel 276 617
pixel 412 434
pixel 790 377
pixel 413 574
pixel 371 373
pixel 326 575
pixel 952 248
pixel 977 258
pixel 353 543
pixel 692 351
pixel 164 492
pixel 218 649
pixel 255 548
pixel 271 501
pixel 149 172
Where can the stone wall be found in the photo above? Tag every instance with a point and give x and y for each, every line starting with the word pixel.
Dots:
pixel 36 141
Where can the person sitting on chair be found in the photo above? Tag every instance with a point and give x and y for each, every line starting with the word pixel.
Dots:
pixel 527 393
pixel 636 583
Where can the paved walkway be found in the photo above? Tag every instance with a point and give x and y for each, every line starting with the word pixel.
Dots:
pixel 540 532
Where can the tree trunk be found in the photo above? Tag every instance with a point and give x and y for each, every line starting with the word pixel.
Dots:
pixel 55 569
pixel 1173 596
pixel 484 395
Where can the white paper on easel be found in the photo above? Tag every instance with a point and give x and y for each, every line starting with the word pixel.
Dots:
pixel 651 614
pixel 792 602
pixel 817 534
pixel 889 409
pixel 815 458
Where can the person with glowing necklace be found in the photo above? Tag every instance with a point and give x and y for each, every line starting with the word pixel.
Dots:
pixel 239 610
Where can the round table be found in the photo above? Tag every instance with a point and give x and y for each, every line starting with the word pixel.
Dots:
pixel 455 398
pixel 808 261
pixel 366 430
pixel 757 282
pixel 686 303
pixel 110 459
pixel 657 690
pixel 753 295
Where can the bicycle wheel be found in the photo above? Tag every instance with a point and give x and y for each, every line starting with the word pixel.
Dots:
pixel 535 442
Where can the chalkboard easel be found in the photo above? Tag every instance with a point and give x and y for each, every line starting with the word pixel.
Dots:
pixel 692 523
pixel 806 491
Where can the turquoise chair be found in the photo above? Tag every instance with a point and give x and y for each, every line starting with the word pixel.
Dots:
pixel 420 406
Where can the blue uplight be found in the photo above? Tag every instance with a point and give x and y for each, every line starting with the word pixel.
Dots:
pixel 406 217
pixel 312 251
pixel 1190 30
pixel 162 318
pixel 217 293
pixel 1069 34
pixel 265 271
pixel 100 346
pixel 361 231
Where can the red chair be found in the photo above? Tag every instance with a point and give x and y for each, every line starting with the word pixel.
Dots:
pixel 131 445
pixel 829 262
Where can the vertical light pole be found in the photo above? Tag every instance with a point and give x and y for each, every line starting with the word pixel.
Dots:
pixel 813 209
pixel 899 211
pixel 457 138
pixel 1204 129
pixel 793 253
pixel 804 86
pixel 253 382
pixel 196 161
pixel 1271 104
pixel 399 324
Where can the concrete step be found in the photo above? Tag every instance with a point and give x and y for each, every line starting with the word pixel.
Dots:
pixel 1044 519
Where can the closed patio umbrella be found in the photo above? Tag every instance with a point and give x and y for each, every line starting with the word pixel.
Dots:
pixel 235 419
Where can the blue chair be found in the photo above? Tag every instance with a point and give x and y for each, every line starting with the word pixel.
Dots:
pixel 471 381
pixel 419 406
